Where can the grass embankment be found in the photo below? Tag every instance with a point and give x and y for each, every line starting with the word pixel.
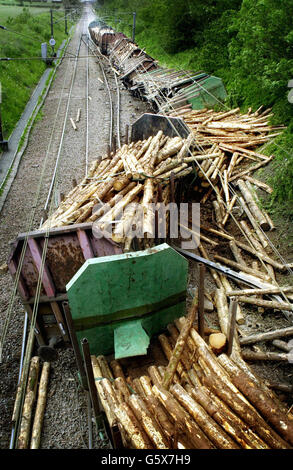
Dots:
pixel 247 43
pixel 19 77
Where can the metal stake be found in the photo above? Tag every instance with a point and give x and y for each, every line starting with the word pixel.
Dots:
pixel 126 133
pixel 90 376
pixel 91 383
pixel 133 26
pixel 232 319
pixel 65 20
pixel 201 300
pixel 3 143
pixel 75 346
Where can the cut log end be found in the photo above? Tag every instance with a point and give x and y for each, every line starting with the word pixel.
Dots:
pixel 218 342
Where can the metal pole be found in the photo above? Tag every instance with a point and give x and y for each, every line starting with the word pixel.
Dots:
pixel 3 143
pixel 133 26
pixel 65 19
pixel 232 320
pixel 90 378
pixel 201 300
pixel 75 346
pixel 52 26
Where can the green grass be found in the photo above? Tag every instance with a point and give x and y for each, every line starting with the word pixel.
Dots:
pixel 19 77
pixel 7 11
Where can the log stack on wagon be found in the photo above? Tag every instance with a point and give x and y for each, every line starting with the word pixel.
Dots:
pixel 138 173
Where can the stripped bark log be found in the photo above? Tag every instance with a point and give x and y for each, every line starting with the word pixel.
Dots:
pixel 253 206
pixel 267 336
pixel 212 430
pixel 128 421
pixel 262 401
pixel 240 267
pixel 227 419
pixel 266 303
pixel 180 344
pixel 40 409
pixel 265 356
pixel 217 342
pixel 182 419
pixel 149 424
pixel 30 396
pixel 217 379
pixel 245 411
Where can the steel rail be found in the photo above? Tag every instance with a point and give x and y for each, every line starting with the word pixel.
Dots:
pixel 97 54
pixel 63 130
pixel 23 359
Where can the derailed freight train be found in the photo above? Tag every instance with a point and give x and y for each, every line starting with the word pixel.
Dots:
pixel 164 89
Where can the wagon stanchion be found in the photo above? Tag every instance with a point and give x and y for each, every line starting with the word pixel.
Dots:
pixel 201 299
pixel 232 320
pixel 75 346
pixel 92 390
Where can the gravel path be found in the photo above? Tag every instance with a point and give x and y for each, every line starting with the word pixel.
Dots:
pixel 65 423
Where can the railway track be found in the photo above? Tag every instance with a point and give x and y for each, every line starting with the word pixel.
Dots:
pixel 80 71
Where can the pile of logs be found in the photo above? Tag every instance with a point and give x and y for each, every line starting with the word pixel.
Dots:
pixel 233 131
pixel 31 421
pixel 140 173
pixel 199 400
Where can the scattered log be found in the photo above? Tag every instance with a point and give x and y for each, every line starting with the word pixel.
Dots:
pixel 267 336
pixel 245 411
pixel 262 401
pixel 180 344
pixel 254 209
pixel 227 419
pixel 273 290
pixel 104 366
pixel 258 183
pixel 158 410
pixel 237 254
pixel 211 429
pixel 272 304
pixel 117 370
pixel 30 396
pixel 264 356
pixel 73 124
pixel 136 436
pixel 282 345
pixel 40 409
pixel 240 267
